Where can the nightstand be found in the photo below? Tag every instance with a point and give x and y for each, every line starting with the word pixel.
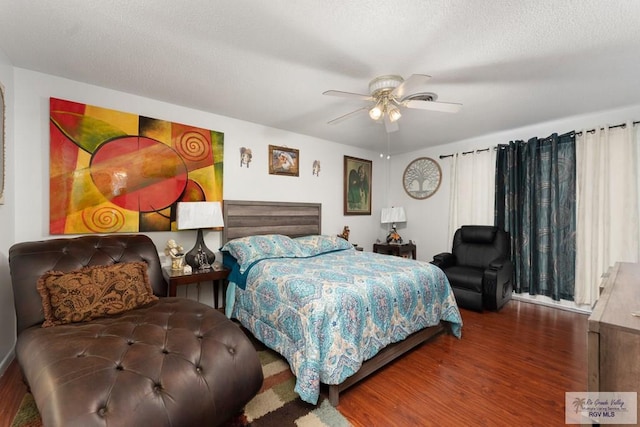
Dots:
pixel 217 275
pixel 406 250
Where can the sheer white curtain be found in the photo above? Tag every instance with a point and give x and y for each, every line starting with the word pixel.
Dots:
pixel 607 193
pixel 473 177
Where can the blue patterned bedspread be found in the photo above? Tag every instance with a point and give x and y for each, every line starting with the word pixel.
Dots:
pixel 328 313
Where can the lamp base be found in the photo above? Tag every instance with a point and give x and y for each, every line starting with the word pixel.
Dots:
pixel 393 238
pixel 200 257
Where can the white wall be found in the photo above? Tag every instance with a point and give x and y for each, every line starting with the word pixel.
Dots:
pixel 7 222
pixel 25 217
pixel 428 220
pixel 33 91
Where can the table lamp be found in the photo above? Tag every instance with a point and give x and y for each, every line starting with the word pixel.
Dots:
pixel 392 216
pixel 192 215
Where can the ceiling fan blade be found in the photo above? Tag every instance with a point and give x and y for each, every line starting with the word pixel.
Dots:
pixel 389 125
pixel 348 95
pixel 346 116
pixel 410 85
pixel 445 107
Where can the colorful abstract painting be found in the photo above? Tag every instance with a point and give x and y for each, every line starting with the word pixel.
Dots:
pixel 113 172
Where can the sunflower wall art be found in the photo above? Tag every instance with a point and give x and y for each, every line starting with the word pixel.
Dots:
pixel 113 172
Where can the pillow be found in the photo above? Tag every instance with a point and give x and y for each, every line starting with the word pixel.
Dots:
pixel 320 244
pixel 93 292
pixel 247 250
pixel 228 260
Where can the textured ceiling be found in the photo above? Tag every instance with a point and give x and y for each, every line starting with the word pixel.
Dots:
pixel 510 63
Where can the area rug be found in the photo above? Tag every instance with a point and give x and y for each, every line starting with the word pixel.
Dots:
pixel 275 405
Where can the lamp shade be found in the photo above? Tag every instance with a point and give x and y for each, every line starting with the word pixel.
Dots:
pixel 199 215
pixel 392 215
pixel 191 215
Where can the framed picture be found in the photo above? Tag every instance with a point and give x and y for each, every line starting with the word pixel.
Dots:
pixel 284 161
pixel 357 186
pixel 117 172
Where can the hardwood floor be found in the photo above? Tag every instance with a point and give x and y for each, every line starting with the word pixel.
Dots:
pixel 12 390
pixel 509 368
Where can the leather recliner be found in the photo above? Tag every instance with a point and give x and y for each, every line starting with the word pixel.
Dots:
pixel 478 267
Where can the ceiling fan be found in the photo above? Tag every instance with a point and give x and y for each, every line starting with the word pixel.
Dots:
pixel 391 93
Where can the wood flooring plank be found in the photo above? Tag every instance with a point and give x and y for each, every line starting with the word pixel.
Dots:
pixel 12 390
pixel 509 368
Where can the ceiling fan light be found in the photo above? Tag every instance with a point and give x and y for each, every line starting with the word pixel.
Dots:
pixel 376 112
pixel 394 114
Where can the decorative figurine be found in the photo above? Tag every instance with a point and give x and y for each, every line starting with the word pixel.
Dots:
pixel 394 238
pixel 176 253
pixel 202 260
pixel 345 233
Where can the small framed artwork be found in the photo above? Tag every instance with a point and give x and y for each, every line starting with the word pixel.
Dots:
pixel 245 156
pixel 357 186
pixel 284 161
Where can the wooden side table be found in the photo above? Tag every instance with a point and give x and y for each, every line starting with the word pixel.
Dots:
pixel 406 250
pixel 217 275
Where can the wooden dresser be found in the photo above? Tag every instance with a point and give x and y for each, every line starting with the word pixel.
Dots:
pixel 614 334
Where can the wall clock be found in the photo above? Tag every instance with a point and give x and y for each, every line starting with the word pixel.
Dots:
pixel 421 178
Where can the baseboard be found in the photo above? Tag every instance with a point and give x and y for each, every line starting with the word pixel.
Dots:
pixel 6 362
pixel 548 302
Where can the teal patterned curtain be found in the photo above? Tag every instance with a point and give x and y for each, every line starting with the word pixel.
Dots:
pixel 536 204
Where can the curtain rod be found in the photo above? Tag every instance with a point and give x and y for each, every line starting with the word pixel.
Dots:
pixel 621 125
pixel 444 156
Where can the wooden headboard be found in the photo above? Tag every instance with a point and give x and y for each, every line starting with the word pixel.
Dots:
pixel 248 218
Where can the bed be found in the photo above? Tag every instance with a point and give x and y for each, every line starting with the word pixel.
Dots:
pixel 336 314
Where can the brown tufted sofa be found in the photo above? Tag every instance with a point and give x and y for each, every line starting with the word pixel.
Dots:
pixel 172 362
